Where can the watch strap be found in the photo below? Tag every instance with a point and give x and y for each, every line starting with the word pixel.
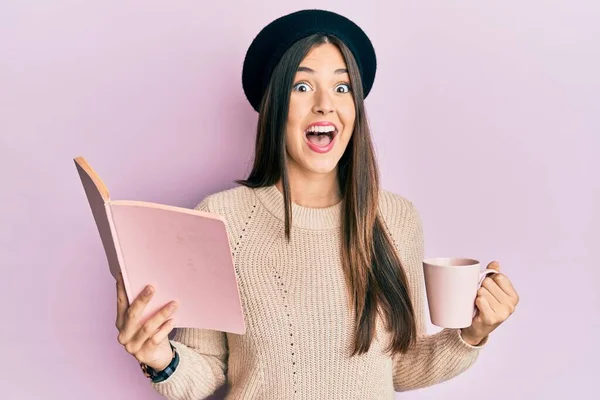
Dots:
pixel 159 376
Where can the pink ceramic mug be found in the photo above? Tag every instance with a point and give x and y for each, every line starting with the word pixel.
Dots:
pixel 451 285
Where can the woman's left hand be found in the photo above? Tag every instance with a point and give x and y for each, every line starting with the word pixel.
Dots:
pixel 496 301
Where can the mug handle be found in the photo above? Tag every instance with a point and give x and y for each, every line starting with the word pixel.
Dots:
pixel 482 276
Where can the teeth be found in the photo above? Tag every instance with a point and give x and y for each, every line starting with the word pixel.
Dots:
pixel 321 129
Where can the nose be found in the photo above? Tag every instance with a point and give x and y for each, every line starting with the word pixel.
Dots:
pixel 323 103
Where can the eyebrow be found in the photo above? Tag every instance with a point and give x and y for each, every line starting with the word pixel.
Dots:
pixel 311 71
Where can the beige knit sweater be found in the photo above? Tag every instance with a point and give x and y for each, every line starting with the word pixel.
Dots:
pixel 299 328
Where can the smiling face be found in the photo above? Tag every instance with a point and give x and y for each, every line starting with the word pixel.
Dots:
pixel 321 113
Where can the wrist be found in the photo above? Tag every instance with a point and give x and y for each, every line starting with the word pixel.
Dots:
pixel 161 372
pixel 470 338
pixel 160 366
pixel 162 363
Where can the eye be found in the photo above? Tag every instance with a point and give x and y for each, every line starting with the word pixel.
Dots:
pixel 301 87
pixel 345 88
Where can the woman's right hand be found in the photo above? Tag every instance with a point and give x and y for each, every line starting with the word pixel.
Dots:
pixel 148 342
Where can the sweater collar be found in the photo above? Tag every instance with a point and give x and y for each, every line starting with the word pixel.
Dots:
pixel 302 217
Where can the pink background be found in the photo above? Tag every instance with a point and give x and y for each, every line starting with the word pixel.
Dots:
pixel 485 114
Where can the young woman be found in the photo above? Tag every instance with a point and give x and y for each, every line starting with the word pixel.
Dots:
pixel 329 265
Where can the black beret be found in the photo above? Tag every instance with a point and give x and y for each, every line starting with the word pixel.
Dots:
pixel 273 40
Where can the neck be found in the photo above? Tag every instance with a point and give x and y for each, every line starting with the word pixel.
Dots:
pixel 315 191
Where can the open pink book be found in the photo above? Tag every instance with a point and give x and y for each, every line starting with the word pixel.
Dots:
pixel 184 253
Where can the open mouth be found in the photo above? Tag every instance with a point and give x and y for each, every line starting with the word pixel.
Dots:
pixel 321 136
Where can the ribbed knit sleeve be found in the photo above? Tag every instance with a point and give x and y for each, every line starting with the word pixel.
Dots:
pixel 203 359
pixel 435 358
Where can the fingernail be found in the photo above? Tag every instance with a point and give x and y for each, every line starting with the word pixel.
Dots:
pixel 173 306
pixel 148 290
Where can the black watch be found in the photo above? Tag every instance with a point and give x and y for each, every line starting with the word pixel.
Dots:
pixel 159 376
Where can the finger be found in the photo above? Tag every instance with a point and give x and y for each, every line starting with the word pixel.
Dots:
pixel 507 287
pixel 485 310
pixel 133 314
pixel 496 291
pixel 163 332
pixel 495 265
pixel 152 325
pixel 122 303
pixel 491 300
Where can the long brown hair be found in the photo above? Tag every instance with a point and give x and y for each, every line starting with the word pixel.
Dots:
pixel 376 281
